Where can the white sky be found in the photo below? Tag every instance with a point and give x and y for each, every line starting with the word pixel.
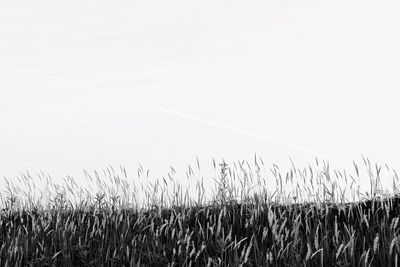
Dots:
pixel 87 84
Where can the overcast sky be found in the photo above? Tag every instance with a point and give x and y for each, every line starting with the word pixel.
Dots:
pixel 87 84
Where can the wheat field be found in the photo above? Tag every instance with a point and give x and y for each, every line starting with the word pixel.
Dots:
pixel 322 220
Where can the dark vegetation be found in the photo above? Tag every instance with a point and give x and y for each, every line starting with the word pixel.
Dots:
pixel 255 231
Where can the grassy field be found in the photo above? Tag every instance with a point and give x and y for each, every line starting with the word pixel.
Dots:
pixel 311 217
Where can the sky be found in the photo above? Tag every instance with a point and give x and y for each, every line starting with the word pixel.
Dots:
pixel 89 84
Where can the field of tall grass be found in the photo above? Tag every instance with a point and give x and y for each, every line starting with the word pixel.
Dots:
pixel 251 216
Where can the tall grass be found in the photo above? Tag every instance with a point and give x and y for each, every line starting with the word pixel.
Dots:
pixel 253 216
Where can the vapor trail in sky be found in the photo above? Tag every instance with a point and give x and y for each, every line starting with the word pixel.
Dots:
pixel 179 114
pixel 228 128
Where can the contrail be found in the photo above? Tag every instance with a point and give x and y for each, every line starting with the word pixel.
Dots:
pixel 47 75
pixel 176 113
pixel 226 127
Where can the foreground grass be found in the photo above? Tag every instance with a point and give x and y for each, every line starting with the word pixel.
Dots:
pixel 254 231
